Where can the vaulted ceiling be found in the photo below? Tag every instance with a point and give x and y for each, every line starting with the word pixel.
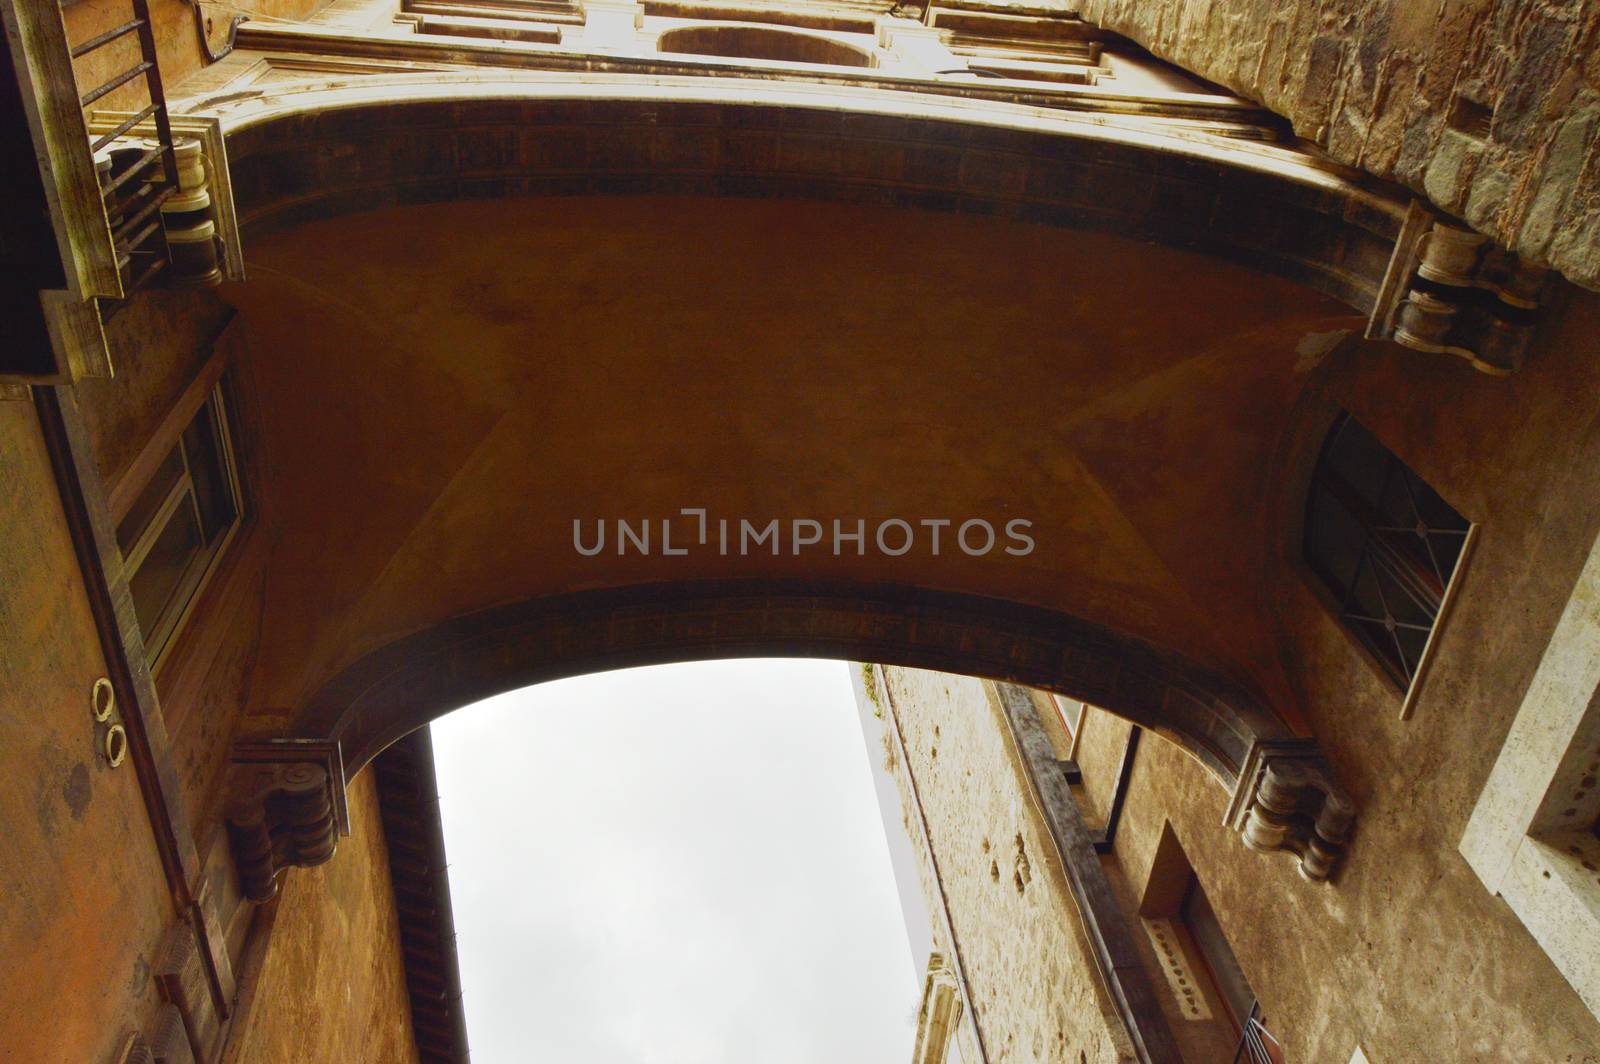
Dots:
pixel 441 391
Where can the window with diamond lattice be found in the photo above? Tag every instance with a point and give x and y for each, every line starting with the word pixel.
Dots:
pixel 1386 545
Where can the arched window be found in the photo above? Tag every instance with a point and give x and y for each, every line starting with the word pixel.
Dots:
pixel 759 42
pixel 1386 545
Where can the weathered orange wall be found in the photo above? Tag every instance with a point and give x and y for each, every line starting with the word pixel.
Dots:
pixel 159 342
pixel 83 899
pixel 332 987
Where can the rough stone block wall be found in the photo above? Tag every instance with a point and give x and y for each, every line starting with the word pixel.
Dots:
pixel 332 988
pixel 1028 967
pixel 1490 109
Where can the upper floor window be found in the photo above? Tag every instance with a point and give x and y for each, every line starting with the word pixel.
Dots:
pixel 1071 712
pixel 178 523
pixel 1386 545
pixel 760 42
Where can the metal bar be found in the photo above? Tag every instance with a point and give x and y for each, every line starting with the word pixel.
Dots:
pixel 157 264
pixel 106 38
pixel 1108 837
pixel 158 94
pixel 117 82
pixel 156 200
pixel 123 128
pixel 134 245
pixel 136 168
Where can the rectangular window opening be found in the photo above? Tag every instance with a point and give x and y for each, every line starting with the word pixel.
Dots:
pixel 1388 548
pixel 179 523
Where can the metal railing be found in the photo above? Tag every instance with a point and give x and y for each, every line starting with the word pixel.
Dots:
pixel 132 186
pixel 1257 1045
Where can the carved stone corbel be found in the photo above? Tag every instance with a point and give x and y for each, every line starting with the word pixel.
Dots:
pixel 1450 290
pixel 1286 800
pixel 285 809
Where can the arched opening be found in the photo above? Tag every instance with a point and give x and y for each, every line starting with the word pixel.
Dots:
pixel 403 686
pixel 761 42
pixel 551 345
pixel 574 293
pixel 691 847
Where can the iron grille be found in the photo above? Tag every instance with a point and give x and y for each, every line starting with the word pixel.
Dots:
pixel 1257 1045
pixel 1384 542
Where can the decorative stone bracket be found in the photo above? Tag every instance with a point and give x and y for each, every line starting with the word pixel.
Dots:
pixel 1286 800
pixel 1449 290
pixel 200 221
pixel 286 808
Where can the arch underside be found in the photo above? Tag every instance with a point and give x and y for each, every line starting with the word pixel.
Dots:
pixel 1148 600
pixel 401 687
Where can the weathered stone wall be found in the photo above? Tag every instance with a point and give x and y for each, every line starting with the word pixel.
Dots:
pixel 1027 964
pixel 1489 109
pixel 83 899
pixel 332 987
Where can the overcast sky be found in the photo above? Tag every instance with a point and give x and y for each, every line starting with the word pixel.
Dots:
pixel 683 865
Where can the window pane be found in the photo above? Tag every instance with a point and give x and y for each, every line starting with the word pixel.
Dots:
pixel 1355 455
pixel 1384 542
pixel 212 489
pixel 149 501
pixel 162 570
pixel 1333 541
pixel 1372 617
pixel 1071 713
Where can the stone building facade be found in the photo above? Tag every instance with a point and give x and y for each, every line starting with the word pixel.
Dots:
pixel 1087 830
pixel 328 323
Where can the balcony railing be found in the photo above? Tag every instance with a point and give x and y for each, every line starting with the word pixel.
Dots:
pixel 135 179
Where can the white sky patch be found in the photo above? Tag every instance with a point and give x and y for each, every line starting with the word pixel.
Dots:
pixel 674 865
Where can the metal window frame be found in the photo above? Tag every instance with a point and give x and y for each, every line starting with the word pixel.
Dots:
pixel 1406 678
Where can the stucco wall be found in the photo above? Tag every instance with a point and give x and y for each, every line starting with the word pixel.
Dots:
pixel 83 900
pixel 1407 953
pixel 1378 83
pixel 332 987
pixel 158 342
pixel 1028 968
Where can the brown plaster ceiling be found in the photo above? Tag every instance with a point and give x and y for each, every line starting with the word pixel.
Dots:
pixel 441 390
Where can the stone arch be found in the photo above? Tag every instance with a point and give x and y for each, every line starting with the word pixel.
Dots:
pixel 304 155
pixel 400 687
pixel 1178 180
